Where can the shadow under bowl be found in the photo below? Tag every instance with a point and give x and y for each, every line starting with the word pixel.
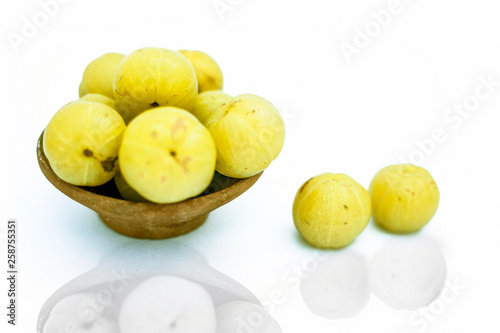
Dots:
pixel 145 219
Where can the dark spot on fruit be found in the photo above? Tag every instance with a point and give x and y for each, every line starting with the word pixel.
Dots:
pixel 399 198
pixel 154 134
pixel 305 221
pixel 253 111
pixel 173 153
pixel 223 104
pixel 155 104
pixel 87 152
pixel 345 223
pixel 109 164
pixel 345 207
pixel 304 185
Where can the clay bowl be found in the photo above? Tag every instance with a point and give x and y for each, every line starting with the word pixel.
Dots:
pixel 148 220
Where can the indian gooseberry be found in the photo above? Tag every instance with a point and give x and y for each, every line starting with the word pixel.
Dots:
pixel 207 70
pixel 152 77
pixel 331 210
pixel 404 198
pixel 99 75
pixel 167 155
pixel 249 134
pixel 82 141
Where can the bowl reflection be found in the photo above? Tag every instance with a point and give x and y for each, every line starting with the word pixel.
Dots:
pixel 164 286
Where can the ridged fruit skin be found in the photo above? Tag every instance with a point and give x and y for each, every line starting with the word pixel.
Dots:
pixel 167 155
pixel 331 210
pixel 151 77
pixel 125 190
pixel 404 198
pixel 249 134
pixel 82 141
pixel 99 75
pixel 207 102
pixel 207 70
pixel 99 98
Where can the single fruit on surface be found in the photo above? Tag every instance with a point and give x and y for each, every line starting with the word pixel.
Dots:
pixel 404 198
pixel 207 70
pixel 99 75
pixel 167 303
pixel 331 210
pixel 248 132
pixel 126 191
pixel 408 273
pixel 167 155
pixel 244 316
pixel 82 141
pixel 151 77
pixel 82 312
pixel 207 102
pixel 99 98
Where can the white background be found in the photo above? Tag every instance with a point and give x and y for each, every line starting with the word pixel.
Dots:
pixel 352 115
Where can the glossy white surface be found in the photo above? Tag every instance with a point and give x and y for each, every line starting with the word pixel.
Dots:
pixel 398 99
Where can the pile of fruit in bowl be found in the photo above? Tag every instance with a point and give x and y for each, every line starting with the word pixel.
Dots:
pixel 154 137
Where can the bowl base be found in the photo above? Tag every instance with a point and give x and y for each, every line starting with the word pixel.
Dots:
pixel 138 228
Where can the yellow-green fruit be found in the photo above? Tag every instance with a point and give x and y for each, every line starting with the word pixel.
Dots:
pixel 99 75
pixel 99 98
pixel 167 155
pixel 331 210
pixel 207 70
pixel 82 141
pixel 249 134
pixel 151 77
pixel 126 191
pixel 207 102
pixel 404 198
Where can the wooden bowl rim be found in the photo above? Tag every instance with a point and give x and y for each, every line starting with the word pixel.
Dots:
pixel 193 206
